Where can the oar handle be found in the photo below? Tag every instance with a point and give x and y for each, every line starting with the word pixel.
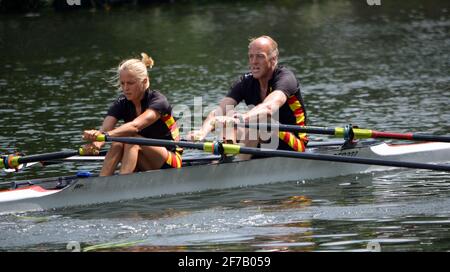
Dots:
pixel 101 138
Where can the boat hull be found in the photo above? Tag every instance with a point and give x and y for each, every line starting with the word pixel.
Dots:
pixel 86 191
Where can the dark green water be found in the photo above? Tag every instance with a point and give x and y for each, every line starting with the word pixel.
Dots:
pixel 382 67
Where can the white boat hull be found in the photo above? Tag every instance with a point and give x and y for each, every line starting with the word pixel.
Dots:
pixel 86 191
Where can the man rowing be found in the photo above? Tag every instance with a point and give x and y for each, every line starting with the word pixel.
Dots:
pixel 272 89
pixel 146 113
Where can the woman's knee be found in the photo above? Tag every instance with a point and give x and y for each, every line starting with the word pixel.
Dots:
pixel 131 147
pixel 117 146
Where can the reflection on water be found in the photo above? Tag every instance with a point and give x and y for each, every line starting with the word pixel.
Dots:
pixel 384 68
pixel 320 215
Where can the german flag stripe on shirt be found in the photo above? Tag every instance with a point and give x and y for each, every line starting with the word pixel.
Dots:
pixel 296 143
pixel 172 125
pixel 174 159
pixel 174 131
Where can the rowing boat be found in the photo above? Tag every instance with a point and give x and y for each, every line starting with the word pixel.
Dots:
pixel 207 175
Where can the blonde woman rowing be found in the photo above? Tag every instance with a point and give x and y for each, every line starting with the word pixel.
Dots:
pixel 146 113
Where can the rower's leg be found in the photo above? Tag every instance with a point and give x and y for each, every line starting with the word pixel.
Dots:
pixel 152 157
pixel 129 158
pixel 247 143
pixel 247 138
pixel 112 159
pixel 228 133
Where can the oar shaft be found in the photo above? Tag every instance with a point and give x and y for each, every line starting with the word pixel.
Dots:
pixel 345 159
pixel 359 133
pixel 151 142
pixel 291 128
pixel 14 161
pixel 47 156
pixel 236 149
pixel 410 136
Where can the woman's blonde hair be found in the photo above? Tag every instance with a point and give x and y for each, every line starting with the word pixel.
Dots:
pixel 137 67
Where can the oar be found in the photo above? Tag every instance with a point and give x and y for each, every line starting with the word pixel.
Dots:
pixel 358 133
pixel 192 159
pixel 236 149
pixel 69 159
pixel 12 161
pixel 59 181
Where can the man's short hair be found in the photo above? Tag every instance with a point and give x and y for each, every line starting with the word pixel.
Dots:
pixel 273 44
